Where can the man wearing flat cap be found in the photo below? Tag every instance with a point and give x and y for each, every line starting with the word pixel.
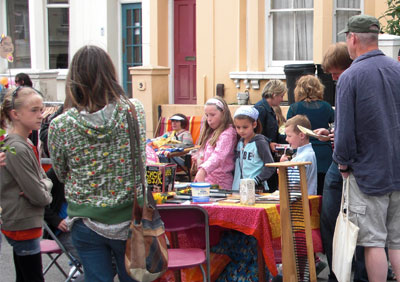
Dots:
pixel 367 130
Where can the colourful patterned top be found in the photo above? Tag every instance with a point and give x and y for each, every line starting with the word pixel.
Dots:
pixel 91 155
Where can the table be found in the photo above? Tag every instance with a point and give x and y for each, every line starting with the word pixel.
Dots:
pixel 183 153
pixel 262 221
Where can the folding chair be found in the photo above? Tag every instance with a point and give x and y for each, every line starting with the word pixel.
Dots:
pixel 183 217
pixel 54 249
pixel 185 168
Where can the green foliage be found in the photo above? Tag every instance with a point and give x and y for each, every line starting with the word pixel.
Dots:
pixel 5 148
pixel 392 16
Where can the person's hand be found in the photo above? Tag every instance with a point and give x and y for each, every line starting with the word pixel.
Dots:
pixel 344 171
pixel 2 159
pixel 332 135
pixel 284 158
pixel 63 226
pixel 324 134
pixel 201 175
pixel 273 145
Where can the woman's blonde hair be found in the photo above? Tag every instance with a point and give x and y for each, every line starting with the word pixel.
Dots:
pixel 279 116
pixel 207 133
pixel 14 99
pixel 273 88
pixel 309 88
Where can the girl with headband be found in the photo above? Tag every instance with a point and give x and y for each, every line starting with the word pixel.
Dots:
pixel 217 142
pixel 24 186
pixel 252 150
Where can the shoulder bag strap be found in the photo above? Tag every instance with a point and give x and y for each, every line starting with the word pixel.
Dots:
pixel 133 127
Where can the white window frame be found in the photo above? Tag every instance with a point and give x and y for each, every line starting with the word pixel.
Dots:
pixel 335 9
pixel 47 44
pixel 269 63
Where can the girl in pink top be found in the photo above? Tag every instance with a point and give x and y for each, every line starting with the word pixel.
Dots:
pixel 218 139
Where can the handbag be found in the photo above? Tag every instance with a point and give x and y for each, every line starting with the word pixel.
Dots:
pixel 146 255
pixel 344 239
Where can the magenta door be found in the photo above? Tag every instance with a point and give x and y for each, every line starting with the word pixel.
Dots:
pixel 185 51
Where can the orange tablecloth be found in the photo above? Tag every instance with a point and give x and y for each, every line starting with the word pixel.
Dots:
pixel 262 221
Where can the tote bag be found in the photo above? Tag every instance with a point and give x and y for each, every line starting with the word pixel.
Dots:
pixel 344 239
pixel 146 255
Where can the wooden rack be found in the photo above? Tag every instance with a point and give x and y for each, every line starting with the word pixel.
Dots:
pixel 298 261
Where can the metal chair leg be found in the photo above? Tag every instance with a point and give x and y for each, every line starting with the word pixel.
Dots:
pixel 54 261
pixel 204 273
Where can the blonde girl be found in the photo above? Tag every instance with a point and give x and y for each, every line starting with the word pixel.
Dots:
pixel 217 143
pixel 25 188
pixel 280 118
pixel 252 150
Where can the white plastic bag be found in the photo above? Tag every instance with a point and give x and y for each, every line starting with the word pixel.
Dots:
pixel 344 239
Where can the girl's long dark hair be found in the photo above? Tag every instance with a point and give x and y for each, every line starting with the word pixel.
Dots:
pixel 92 80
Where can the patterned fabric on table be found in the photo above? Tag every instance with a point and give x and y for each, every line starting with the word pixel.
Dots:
pixel 242 249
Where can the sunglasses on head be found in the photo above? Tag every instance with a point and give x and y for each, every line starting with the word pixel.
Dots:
pixel 15 93
pixel 13 96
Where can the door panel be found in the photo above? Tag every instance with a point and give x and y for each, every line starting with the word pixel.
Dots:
pixel 185 51
pixel 131 42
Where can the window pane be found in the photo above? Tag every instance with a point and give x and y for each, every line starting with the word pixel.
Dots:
pixel 128 84
pixel 128 18
pixel 129 54
pixel 18 30
pixel 304 36
pixel 58 26
pixel 138 56
pixel 348 4
pixel 57 1
pixel 303 3
pixel 283 36
pixel 129 35
pixel 281 4
pixel 137 17
pixel 138 37
pixel 342 18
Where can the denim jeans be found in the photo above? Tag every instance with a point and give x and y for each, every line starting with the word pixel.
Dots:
pixel 66 240
pixel 332 197
pixel 25 247
pixel 96 251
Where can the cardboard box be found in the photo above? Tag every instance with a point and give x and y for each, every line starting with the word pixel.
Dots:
pixel 161 177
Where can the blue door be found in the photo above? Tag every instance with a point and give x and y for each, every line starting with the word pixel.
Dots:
pixel 131 42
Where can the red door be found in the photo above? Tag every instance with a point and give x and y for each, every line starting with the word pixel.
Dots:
pixel 185 51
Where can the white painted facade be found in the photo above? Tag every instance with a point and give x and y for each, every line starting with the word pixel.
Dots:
pixel 94 22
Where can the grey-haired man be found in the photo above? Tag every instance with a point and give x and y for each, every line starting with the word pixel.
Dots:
pixel 367 130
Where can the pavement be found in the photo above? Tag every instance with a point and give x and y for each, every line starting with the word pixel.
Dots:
pixel 7 272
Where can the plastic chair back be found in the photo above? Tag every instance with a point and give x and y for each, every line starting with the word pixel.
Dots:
pixel 184 217
pixel 54 246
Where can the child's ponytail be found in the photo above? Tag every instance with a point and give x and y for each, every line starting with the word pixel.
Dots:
pixel 5 110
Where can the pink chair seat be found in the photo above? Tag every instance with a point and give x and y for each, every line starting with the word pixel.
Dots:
pixel 49 246
pixel 185 258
